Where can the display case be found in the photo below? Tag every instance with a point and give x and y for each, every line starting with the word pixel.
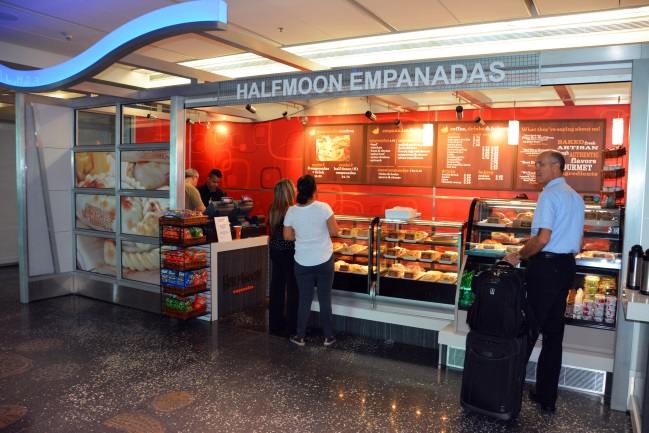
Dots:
pixel 353 251
pixel 497 227
pixel 185 290
pixel 418 260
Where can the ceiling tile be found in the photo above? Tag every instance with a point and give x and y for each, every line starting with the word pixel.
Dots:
pixel 187 47
pixel 301 21
pixel 595 94
pixel 630 3
pixel 556 7
pixel 420 14
pixel 472 11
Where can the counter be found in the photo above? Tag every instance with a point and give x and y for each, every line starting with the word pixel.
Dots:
pixel 239 275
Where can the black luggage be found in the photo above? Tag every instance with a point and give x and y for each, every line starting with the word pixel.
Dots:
pixel 494 373
pixel 499 306
pixel 496 347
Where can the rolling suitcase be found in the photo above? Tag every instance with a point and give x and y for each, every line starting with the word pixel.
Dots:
pixel 496 347
pixel 494 373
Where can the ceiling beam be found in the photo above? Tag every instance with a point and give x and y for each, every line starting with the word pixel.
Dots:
pixel 474 98
pixel 565 95
pixel 396 101
pixel 145 62
pixel 99 88
pixel 372 15
pixel 238 39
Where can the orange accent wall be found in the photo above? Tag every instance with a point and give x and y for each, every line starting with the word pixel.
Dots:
pixel 256 155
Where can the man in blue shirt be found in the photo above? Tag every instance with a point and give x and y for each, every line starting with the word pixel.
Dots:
pixel 557 229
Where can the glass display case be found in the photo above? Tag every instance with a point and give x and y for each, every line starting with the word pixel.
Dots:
pixel 353 251
pixel 497 227
pixel 418 259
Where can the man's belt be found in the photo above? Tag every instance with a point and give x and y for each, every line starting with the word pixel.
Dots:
pixel 550 256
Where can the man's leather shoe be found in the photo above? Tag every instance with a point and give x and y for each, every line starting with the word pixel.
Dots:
pixel 549 408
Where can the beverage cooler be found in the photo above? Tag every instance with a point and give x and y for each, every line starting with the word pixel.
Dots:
pixel 497 227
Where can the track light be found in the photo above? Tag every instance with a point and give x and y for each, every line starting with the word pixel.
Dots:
pixel 304 120
pixel 370 115
pixel 397 121
pixel 459 112
pixel 251 108
pixel 480 121
pixel 285 115
pixel 151 116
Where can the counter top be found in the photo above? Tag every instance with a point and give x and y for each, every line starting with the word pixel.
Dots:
pixel 237 244
pixel 636 305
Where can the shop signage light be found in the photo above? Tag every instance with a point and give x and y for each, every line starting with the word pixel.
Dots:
pixel 501 71
pixel 512 132
pixel 161 23
pixel 617 138
pixel 428 134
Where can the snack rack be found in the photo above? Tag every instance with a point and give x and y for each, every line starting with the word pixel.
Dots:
pixel 185 291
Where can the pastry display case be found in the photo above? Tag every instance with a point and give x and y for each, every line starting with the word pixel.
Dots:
pixel 353 251
pixel 497 227
pixel 418 259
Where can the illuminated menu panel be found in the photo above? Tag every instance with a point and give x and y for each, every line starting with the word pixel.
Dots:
pixel 473 156
pixel 334 153
pixel 400 155
pixel 580 141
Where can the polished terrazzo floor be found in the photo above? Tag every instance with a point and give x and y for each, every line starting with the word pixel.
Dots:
pixel 76 365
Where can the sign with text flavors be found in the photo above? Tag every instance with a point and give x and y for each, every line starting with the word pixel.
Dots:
pixel 580 141
pixel 334 153
pixel 399 155
pixel 470 156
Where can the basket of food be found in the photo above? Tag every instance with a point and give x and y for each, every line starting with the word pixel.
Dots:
pixel 184 259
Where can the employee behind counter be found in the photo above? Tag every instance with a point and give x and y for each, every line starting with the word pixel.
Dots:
pixel 211 190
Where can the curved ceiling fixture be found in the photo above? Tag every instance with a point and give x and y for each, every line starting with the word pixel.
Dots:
pixel 159 24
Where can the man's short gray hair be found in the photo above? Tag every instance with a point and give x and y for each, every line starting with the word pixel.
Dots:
pixel 191 172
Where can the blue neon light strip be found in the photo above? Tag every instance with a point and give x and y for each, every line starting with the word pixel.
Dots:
pixel 171 20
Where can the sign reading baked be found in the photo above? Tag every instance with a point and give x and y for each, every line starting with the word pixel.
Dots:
pixel 473 156
pixel 400 155
pixel 334 153
pixel 580 141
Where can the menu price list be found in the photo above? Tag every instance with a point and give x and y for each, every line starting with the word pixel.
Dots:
pixel 474 156
pixel 400 155
pixel 581 143
pixel 334 153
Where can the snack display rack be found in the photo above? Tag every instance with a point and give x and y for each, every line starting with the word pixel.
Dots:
pixel 185 283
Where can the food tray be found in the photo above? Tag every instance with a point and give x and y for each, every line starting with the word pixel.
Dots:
pixel 184 222
pixel 186 291
pixel 185 242
pixel 486 224
pixel 486 253
pixel 184 315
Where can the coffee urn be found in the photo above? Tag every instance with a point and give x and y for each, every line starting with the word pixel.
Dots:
pixel 644 286
pixel 634 268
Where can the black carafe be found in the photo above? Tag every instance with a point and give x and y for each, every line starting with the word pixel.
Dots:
pixel 634 268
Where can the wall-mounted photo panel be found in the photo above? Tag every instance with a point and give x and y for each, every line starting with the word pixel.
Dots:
pixel 140 214
pixel 94 169
pixel 145 169
pixel 95 212
pixel 141 262
pixel 96 255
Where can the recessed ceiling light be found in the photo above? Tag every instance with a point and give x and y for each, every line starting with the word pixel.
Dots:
pixel 4 16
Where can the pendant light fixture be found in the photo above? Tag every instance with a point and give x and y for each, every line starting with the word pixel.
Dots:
pixel 617 138
pixel 513 129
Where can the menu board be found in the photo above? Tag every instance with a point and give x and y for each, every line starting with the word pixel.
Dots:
pixel 473 156
pixel 400 155
pixel 580 141
pixel 334 153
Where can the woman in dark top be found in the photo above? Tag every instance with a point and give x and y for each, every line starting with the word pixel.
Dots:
pixel 282 283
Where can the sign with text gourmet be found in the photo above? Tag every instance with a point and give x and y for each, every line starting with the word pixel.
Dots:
pixel 334 153
pixel 474 156
pixel 580 141
pixel 400 155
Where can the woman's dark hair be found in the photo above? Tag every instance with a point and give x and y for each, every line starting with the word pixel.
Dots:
pixel 305 188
